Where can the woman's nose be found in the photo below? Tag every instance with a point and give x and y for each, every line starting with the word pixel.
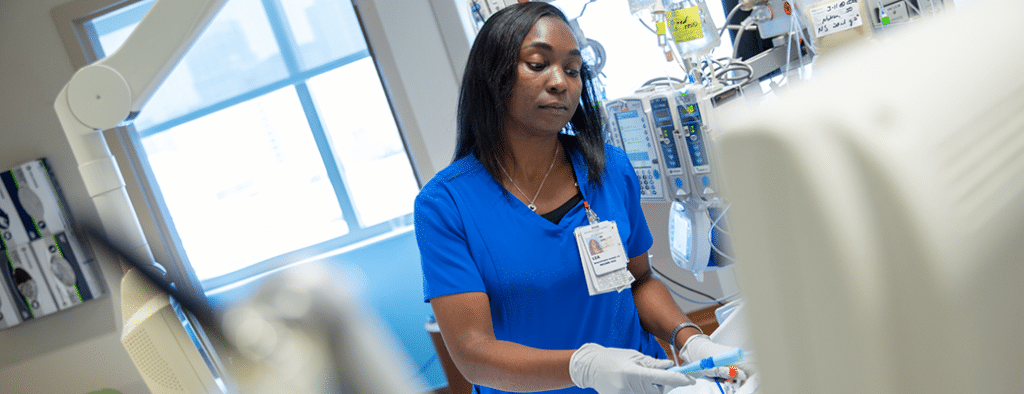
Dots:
pixel 557 83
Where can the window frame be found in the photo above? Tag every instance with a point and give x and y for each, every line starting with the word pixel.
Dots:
pixel 158 227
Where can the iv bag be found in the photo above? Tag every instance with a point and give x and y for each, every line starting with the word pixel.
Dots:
pixel 690 27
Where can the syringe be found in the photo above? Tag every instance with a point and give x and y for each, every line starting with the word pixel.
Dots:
pixel 730 357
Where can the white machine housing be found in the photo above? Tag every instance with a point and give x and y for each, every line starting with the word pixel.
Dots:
pixel 629 126
pixel 169 354
pixel 664 133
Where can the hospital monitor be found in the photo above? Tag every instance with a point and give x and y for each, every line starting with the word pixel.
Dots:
pixel 878 214
pixel 167 349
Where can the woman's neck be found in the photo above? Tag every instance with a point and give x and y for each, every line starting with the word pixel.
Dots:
pixel 530 157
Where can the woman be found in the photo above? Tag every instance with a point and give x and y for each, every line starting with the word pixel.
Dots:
pixel 501 265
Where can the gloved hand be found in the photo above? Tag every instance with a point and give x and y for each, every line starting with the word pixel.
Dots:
pixel 701 347
pixel 621 371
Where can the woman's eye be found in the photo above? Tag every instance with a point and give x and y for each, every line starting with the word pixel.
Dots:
pixel 536 66
pixel 572 73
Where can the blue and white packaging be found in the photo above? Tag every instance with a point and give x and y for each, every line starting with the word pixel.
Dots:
pixel 45 269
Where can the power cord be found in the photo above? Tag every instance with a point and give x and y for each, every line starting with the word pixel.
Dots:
pixel 714 300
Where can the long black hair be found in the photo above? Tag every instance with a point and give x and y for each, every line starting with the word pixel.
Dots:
pixel 487 86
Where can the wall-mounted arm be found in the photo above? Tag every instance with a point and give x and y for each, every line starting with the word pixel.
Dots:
pixel 113 90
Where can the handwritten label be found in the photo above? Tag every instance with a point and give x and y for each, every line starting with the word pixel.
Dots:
pixel 836 17
pixel 685 24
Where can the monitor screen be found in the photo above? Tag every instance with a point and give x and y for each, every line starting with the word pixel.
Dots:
pixel 634 138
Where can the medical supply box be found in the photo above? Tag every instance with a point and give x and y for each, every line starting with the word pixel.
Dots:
pixel 43 268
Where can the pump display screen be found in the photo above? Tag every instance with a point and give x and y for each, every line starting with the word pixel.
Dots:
pixel 662 117
pixel 634 138
pixel 689 113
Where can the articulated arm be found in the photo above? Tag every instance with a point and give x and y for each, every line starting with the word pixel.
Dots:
pixel 113 90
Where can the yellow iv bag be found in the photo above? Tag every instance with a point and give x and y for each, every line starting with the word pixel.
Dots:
pixel 690 27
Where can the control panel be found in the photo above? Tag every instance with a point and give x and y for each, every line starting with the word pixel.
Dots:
pixel 692 130
pixel 628 124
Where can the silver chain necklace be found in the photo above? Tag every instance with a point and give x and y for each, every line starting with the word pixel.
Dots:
pixel 531 204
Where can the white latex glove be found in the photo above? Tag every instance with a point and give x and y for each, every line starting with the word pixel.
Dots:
pixel 622 371
pixel 701 347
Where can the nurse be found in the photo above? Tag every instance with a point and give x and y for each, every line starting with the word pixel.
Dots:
pixel 502 268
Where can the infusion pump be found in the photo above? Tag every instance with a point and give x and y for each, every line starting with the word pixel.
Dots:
pixel 664 134
pixel 480 10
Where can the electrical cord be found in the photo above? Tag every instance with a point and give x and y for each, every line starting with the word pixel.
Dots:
pixel 423 369
pixel 584 9
pixel 728 18
pixel 641 20
pixel 719 383
pixel 723 71
pixel 739 34
pixel 601 57
pixel 797 24
pixel 714 300
pixel 663 81
pixel 714 225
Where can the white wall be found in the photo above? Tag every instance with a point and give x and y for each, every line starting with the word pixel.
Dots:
pixel 407 42
pixel 78 350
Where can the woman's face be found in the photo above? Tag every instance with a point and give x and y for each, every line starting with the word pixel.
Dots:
pixel 548 85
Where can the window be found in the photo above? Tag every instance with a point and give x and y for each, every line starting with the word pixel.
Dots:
pixel 271 141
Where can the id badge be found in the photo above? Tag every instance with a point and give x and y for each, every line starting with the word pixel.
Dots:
pixel 603 257
pixel 604 251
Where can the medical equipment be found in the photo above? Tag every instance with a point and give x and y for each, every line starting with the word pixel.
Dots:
pixel 887 207
pixel 690 27
pixel 298 320
pixel 630 129
pixel 168 351
pixel 480 10
pixel 663 132
pixel 733 330
pixel 894 12
pixel 730 357
pixel 303 331
pixel 591 50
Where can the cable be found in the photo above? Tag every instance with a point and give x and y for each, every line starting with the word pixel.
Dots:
pixel 601 57
pixel 641 20
pixel 733 65
pixel 801 28
pixel 718 301
pixel 736 42
pixel 426 364
pixel 714 225
pixel 662 275
pixel 796 25
pixel 665 81
pixel 584 9
pixel 914 7
pixel 719 385
pixel 727 19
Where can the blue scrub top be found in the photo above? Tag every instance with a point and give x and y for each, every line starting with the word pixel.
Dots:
pixel 475 237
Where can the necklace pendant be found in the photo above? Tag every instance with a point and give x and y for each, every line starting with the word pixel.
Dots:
pixel 532 207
